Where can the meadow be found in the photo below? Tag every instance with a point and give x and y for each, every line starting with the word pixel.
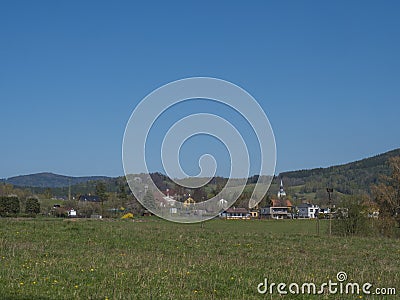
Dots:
pixel 154 259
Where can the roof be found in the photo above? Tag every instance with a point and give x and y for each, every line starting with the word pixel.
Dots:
pixel 237 210
pixel 90 198
pixel 190 201
pixel 281 203
pixel 158 196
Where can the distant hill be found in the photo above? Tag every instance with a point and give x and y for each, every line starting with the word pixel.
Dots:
pixel 49 180
pixel 351 178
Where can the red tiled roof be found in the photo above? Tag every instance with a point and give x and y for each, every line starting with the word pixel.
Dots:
pixel 280 203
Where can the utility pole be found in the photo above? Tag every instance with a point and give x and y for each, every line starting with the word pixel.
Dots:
pixel 69 189
pixel 330 191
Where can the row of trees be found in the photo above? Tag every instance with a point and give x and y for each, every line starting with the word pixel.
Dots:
pixel 11 206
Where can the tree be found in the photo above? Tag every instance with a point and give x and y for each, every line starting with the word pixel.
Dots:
pixel 352 218
pixel 6 189
pixel 101 192
pixel 88 209
pixel 122 195
pixel 199 194
pixel 47 193
pixel 148 201
pixel 32 206
pixel 9 205
pixel 387 193
pixel 134 205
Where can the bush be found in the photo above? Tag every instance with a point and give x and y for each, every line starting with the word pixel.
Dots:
pixel 32 206
pixel 127 216
pixel 352 219
pixel 9 206
pixel 386 227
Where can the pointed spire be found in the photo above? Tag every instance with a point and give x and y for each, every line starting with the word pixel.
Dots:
pixel 281 192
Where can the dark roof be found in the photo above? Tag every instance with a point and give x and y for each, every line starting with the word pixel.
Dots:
pixel 90 198
pixel 237 210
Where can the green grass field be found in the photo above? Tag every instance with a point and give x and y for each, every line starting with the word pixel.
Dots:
pixel 155 259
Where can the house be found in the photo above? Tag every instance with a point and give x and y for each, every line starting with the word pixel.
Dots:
pixel 89 198
pixel 278 209
pixel 163 201
pixel 189 202
pixel 167 201
pixel 307 210
pixel 235 213
pixel 254 213
pixel 275 212
pixel 158 197
pixel 222 203
pixel 72 213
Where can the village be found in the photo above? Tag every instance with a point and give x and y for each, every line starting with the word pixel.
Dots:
pixel 278 208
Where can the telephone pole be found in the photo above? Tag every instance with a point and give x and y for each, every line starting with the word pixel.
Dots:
pixel 69 189
pixel 330 191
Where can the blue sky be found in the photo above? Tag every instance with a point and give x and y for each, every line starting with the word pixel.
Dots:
pixel 326 73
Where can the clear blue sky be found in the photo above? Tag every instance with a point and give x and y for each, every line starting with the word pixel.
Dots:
pixel 327 74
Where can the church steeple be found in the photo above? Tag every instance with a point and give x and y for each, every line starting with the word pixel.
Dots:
pixel 281 192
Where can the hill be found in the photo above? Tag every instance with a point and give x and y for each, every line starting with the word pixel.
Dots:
pixel 351 178
pixel 347 179
pixel 49 180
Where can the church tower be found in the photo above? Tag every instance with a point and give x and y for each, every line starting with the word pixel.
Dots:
pixel 281 192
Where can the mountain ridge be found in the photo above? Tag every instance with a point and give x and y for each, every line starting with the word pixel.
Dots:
pixel 49 180
pixel 347 178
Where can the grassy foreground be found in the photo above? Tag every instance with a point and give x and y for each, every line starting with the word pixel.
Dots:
pixel 155 259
